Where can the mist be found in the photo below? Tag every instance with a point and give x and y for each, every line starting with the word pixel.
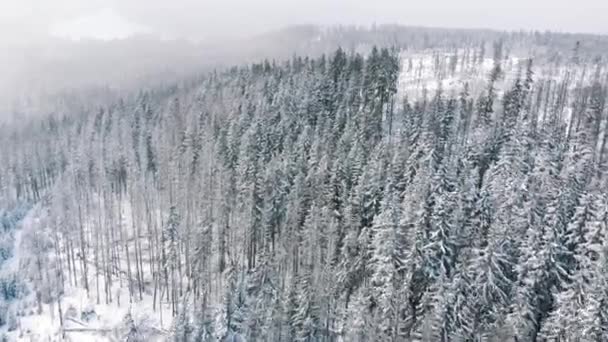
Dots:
pixel 124 44
pixel 194 19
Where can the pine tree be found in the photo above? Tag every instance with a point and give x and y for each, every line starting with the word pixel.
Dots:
pixel 386 263
pixel 577 308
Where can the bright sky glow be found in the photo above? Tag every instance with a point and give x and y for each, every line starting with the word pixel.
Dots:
pixel 106 24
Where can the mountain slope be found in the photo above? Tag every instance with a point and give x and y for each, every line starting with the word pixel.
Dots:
pixel 413 194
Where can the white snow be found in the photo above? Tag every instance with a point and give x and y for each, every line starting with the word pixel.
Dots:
pixel 106 324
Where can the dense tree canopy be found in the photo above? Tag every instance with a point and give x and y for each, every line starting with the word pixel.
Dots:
pixel 315 200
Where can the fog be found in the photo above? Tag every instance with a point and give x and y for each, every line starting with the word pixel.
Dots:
pixel 52 44
pixel 24 20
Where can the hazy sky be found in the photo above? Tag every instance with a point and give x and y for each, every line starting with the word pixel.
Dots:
pixel 22 20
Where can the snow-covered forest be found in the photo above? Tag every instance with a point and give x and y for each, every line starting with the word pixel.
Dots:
pixel 394 184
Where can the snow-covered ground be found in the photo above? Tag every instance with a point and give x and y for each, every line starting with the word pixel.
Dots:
pixel 424 72
pixel 428 70
pixel 84 319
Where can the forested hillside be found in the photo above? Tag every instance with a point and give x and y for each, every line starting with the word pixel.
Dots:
pixel 453 194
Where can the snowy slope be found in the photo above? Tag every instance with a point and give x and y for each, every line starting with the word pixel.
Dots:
pixel 84 317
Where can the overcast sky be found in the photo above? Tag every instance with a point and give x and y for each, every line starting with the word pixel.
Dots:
pixel 23 20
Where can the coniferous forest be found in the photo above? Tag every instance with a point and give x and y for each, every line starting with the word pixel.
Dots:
pixel 445 192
